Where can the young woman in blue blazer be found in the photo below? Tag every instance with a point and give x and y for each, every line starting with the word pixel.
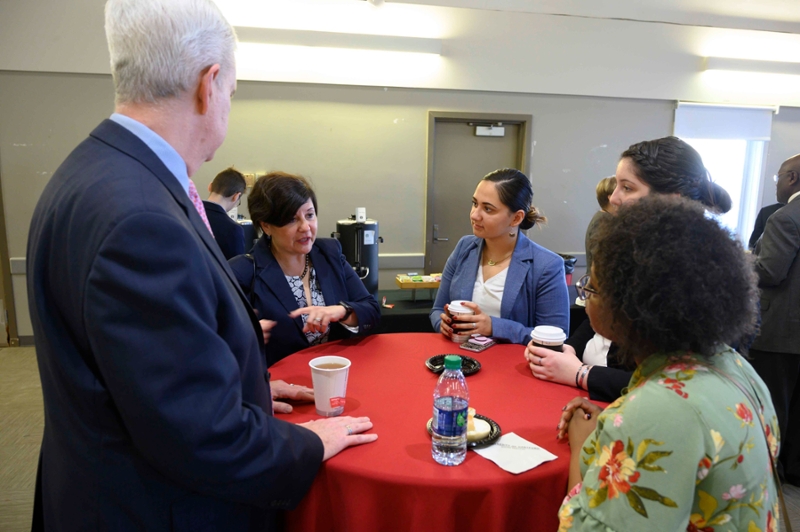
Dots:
pixel 512 283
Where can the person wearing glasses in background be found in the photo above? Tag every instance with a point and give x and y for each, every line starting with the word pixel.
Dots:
pixel 662 166
pixel 691 445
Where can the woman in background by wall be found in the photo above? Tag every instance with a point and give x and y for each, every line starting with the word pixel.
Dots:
pixel 512 283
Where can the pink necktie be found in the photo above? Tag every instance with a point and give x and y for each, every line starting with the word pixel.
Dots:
pixel 198 204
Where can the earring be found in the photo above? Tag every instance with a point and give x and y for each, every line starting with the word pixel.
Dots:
pixel 512 234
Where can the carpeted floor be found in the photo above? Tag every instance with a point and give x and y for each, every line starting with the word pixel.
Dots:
pixel 21 423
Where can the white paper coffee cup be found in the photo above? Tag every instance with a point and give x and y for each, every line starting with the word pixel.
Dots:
pixel 549 337
pixel 457 309
pixel 329 377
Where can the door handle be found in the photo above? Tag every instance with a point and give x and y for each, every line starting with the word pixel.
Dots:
pixel 436 234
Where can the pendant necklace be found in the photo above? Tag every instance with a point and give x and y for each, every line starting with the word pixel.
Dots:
pixel 490 262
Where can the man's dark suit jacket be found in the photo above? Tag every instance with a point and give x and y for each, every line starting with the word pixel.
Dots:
pixel 274 300
pixel 761 222
pixel 228 234
pixel 157 407
pixel 778 269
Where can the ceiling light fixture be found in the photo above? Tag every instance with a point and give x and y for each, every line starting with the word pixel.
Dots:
pixel 751 65
pixel 323 39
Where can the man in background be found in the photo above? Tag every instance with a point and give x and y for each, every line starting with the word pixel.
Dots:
pixel 157 411
pixel 225 192
pixel 776 350
pixel 761 222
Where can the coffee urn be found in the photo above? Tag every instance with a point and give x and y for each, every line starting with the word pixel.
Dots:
pixel 359 238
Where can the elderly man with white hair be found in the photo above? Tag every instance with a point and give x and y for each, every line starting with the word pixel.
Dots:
pixel 158 411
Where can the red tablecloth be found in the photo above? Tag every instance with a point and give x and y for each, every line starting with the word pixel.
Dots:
pixel 393 483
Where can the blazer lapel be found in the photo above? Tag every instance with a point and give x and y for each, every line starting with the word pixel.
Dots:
pixel 275 281
pixel 471 263
pixel 324 274
pixel 517 271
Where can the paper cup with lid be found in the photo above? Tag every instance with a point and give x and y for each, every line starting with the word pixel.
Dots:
pixel 548 337
pixel 456 309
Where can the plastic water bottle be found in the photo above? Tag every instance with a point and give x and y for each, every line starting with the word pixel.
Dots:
pixel 450 403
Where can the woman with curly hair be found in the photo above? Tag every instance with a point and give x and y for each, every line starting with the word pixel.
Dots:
pixel 691 444
pixel 662 166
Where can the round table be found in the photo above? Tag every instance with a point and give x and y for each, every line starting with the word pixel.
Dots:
pixel 393 483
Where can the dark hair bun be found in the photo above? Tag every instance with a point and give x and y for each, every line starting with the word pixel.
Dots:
pixel 516 193
pixel 532 218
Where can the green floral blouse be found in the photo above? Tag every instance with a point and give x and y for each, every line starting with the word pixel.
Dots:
pixel 681 450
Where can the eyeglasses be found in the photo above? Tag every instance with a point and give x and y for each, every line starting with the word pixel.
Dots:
pixel 584 290
pixel 776 177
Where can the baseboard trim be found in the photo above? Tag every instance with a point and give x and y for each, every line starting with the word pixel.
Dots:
pixel 25 341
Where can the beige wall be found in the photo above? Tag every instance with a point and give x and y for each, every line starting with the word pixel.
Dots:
pixel 360 146
pixel 42 118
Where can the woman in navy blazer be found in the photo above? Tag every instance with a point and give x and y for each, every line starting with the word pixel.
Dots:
pixel 302 284
pixel 512 283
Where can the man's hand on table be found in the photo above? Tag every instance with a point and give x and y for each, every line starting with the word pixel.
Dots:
pixel 339 433
pixel 282 390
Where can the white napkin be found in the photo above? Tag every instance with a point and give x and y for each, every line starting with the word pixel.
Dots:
pixel 514 454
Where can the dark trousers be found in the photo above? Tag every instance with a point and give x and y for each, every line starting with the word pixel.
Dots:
pixel 781 373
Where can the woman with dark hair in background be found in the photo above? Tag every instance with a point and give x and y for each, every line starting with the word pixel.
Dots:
pixel 302 283
pixel 512 283
pixel 662 166
pixel 691 445
pixel 667 166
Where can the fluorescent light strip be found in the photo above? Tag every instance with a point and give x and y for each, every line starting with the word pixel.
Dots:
pixel 388 43
pixel 773 108
pixel 750 65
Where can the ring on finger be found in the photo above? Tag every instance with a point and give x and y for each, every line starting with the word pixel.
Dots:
pixel 318 320
pixel 349 430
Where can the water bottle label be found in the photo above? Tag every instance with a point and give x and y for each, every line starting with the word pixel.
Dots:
pixel 449 423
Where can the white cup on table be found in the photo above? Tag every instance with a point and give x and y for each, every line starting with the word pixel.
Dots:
pixel 329 377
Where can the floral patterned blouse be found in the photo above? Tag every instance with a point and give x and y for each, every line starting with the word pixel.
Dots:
pixel 317 299
pixel 683 449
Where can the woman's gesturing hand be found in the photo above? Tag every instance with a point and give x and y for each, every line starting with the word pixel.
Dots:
pixel 319 318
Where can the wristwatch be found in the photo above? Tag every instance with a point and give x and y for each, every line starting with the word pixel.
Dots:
pixel 347 310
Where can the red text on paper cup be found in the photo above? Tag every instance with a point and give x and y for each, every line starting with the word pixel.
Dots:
pixel 337 402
